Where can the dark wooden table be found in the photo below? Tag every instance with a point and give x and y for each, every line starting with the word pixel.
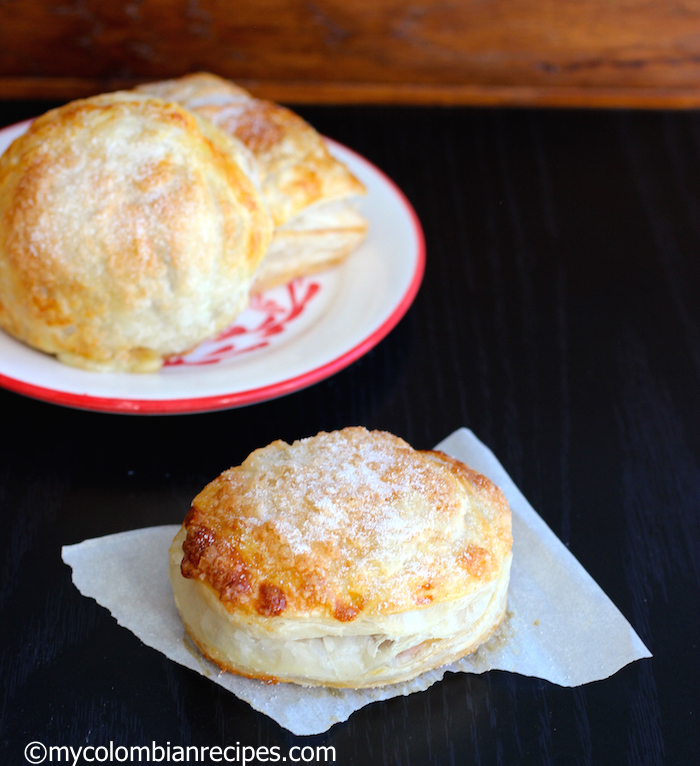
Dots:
pixel 559 319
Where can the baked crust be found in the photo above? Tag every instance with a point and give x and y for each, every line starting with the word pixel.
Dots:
pixel 319 237
pixel 400 557
pixel 311 195
pixel 130 229
pixel 296 168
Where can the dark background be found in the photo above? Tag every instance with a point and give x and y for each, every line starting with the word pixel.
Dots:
pixel 559 319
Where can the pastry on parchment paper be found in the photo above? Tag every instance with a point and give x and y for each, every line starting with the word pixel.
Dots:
pixel 311 194
pixel 347 559
pixel 130 230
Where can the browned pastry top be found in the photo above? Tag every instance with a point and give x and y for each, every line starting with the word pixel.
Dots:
pixel 130 229
pixel 345 524
pixel 297 169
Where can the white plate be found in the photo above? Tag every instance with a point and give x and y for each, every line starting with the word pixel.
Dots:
pixel 289 338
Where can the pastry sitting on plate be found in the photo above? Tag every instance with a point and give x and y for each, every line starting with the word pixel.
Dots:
pixel 348 559
pixel 311 195
pixel 130 230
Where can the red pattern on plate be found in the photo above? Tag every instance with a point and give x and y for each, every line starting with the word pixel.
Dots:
pixel 267 314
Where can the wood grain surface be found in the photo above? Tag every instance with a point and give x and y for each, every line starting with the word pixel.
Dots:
pixel 524 52
pixel 559 319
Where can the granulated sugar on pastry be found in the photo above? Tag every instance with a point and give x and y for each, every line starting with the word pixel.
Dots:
pixel 560 625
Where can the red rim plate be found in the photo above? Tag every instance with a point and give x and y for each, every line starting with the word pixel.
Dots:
pixel 259 394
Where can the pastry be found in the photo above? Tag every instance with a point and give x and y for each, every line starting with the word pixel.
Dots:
pixel 347 559
pixel 130 230
pixel 311 195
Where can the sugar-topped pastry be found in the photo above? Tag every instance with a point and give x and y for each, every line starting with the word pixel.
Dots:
pixel 347 559
pixel 130 230
pixel 312 196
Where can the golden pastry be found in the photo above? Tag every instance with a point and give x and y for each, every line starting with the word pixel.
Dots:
pixel 311 195
pixel 130 230
pixel 347 559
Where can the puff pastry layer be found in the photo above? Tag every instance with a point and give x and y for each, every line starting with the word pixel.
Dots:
pixel 311 195
pixel 347 559
pixel 130 229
